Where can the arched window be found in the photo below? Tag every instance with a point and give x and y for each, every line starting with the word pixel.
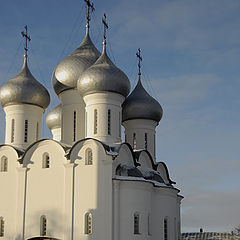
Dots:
pixel 165 229
pixel 12 133
pixel 26 131
pixel 74 125
pixel 4 164
pixel 136 223
pixel 109 122
pixel 43 225
pixel 88 157
pixel 95 121
pixel 134 141
pixel 46 161
pixel 88 223
pixel 146 141
pixel 1 227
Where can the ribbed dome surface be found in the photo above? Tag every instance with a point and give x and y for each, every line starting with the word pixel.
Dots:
pixel 68 71
pixel 54 117
pixel 140 105
pixel 24 88
pixel 103 76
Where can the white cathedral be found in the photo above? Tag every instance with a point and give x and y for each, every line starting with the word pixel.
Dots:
pixel 85 182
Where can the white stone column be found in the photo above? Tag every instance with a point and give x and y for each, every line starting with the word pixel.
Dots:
pixel 23 124
pixel 143 130
pixel 72 102
pixel 98 123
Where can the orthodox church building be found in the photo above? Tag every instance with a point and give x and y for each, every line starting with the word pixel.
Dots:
pixel 85 182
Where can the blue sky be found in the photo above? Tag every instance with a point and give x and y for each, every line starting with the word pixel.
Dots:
pixel 191 59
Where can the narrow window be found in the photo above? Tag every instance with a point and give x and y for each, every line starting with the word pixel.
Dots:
pixel 1 227
pixel 88 223
pixel 149 231
pixel 37 130
pixel 43 226
pixel 12 133
pixel 119 133
pixel 46 161
pixel 134 141
pixel 146 141
pixel 26 131
pixel 165 225
pixel 88 157
pixel 109 122
pixel 4 164
pixel 136 223
pixel 175 228
pixel 74 125
pixel 95 121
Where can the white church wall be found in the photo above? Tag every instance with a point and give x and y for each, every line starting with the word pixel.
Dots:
pixel 8 186
pixel 20 113
pixel 133 197
pixel 102 102
pixel 72 101
pixel 164 205
pixel 45 190
pixel 93 190
pixel 56 134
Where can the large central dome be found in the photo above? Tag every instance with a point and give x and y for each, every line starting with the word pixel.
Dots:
pixel 103 76
pixel 68 71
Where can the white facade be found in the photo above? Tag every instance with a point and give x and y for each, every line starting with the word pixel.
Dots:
pixel 85 183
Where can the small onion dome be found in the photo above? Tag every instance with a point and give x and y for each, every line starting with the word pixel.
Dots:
pixel 68 71
pixel 24 88
pixel 103 76
pixel 54 117
pixel 140 105
pixel 128 170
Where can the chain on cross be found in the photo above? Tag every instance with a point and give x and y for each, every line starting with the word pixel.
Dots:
pixel 104 21
pixel 89 7
pixel 139 61
pixel 27 38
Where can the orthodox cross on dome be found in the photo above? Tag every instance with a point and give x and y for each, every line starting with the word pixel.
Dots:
pixel 104 21
pixel 139 62
pixel 89 7
pixel 27 38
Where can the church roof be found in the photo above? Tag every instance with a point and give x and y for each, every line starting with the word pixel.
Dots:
pixel 54 117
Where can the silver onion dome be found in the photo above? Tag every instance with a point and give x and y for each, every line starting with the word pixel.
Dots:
pixel 54 117
pixel 103 76
pixel 24 88
pixel 68 71
pixel 140 105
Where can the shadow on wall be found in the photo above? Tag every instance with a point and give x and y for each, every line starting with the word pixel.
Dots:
pixel 54 221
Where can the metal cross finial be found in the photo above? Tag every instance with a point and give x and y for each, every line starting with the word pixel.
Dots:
pixel 105 26
pixel 139 61
pixel 89 6
pixel 27 38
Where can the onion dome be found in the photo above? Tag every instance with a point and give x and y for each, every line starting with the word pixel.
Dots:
pixel 128 170
pixel 140 105
pixel 68 71
pixel 24 88
pixel 103 76
pixel 54 117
